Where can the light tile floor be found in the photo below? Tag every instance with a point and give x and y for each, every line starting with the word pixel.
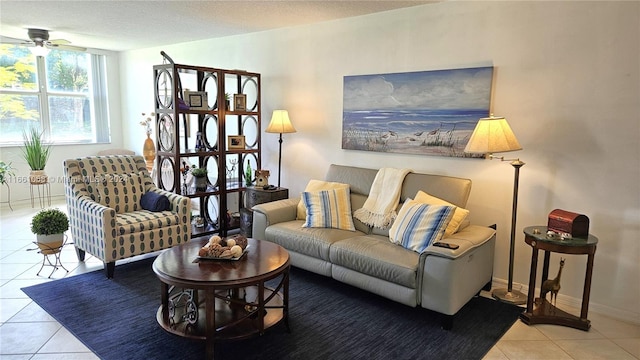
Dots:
pixel 28 332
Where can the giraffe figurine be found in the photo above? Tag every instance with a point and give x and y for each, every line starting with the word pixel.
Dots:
pixel 552 286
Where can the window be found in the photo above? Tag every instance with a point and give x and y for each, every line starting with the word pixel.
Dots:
pixel 64 94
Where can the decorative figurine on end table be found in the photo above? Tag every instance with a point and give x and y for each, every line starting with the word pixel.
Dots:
pixel 552 286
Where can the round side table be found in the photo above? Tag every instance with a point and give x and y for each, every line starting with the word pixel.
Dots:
pixel 540 310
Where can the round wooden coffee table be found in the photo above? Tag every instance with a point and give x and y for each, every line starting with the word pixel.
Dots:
pixel 237 302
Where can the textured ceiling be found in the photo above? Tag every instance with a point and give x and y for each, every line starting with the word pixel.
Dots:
pixel 123 25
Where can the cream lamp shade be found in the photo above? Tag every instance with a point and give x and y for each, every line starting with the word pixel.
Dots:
pixel 492 135
pixel 280 123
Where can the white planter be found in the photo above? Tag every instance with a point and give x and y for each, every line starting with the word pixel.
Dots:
pixel 50 244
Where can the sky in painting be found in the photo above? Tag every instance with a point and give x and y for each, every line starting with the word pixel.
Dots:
pixel 442 89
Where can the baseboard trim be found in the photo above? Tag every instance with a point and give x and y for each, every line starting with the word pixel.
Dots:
pixel 26 203
pixel 568 301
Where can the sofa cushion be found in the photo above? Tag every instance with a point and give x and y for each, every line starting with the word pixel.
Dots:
pixel 357 201
pixel 328 209
pixel 91 185
pixel 317 185
pixel 385 232
pixel 143 220
pixel 314 242
pixel 419 225
pixel 121 192
pixel 459 215
pixel 374 255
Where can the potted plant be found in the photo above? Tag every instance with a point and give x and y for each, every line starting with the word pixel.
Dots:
pixel 6 171
pixel 227 100
pixel 36 153
pixel 200 174
pixel 49 226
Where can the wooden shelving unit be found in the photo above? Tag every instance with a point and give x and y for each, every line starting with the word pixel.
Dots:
pixel 177 126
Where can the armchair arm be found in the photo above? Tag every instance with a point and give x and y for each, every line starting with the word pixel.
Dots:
pixel 92 225
pixel 272 213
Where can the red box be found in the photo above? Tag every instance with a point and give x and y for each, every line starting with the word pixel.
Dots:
pixel 567 222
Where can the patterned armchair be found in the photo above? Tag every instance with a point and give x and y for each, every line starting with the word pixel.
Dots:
pixel 105 214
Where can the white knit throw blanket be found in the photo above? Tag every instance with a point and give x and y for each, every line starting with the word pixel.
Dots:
pixel 379 210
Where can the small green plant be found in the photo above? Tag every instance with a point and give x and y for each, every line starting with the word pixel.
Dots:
pixel 49 221
pixel 35 152
pixel 227 96
pixel 198 172
pixel 6 171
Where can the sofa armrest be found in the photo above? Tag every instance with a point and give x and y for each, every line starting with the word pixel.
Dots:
pixel 467 239
pixel 450 278
pixel 272 213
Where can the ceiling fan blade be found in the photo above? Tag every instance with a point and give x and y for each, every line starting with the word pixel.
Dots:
pixel 10 40
pixel 68 47
pixel 60 42
pixel 40 37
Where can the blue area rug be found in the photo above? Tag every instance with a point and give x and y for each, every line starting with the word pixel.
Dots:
pixel 116 319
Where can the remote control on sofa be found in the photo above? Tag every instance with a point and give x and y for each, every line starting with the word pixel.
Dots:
pixel 446 245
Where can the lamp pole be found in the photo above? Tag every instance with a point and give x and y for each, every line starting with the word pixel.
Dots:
pixel 279 158
pixel 517 164
pixel 508 295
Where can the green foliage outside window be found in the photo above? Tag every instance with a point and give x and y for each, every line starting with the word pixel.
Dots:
pixel 17 71
pixel 60 102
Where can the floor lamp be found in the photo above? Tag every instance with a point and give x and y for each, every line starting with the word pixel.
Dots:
pixel 280 124
pixel 493 135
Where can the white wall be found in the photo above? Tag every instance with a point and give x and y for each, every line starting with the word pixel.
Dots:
pixel 20 189
pixel 567 79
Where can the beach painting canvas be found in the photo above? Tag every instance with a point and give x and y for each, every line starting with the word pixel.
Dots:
pixel 425 113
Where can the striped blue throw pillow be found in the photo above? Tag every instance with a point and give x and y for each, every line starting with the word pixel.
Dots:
pixel 419 225
pixel 328 209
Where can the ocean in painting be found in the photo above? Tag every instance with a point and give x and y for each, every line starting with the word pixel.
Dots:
pixel 424 112
pixel 428 132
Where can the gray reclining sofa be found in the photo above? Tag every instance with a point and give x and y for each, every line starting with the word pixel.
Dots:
pixel 439 279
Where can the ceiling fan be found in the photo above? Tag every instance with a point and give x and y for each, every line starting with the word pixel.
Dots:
pixel 39 42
